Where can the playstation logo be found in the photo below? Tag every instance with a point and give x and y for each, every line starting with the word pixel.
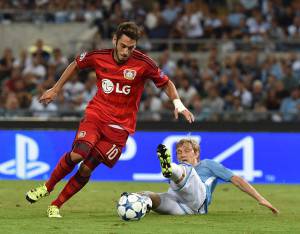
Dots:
pixel 25 164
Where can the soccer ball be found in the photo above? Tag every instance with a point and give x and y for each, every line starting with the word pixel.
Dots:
pixel 131 206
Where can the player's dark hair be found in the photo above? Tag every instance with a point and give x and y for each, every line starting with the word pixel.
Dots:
pixel 130 29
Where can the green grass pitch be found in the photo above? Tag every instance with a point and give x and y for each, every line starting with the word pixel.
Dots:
pixel 93 210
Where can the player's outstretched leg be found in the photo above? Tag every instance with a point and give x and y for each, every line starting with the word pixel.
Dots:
pixel 37 193
pixel 174 172
pixel 64 166
pixel 164 157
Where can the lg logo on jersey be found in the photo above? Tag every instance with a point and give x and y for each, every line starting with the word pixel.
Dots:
pixel 108 86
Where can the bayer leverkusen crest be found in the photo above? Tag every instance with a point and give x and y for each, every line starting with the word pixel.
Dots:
pixel 129 74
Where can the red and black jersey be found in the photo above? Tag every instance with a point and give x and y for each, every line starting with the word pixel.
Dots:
pixel 120 86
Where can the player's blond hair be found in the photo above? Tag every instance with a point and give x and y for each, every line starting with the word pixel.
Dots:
pixel 195 145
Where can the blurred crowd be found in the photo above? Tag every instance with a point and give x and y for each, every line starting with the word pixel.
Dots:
pixel 24 77
pixel 253 20
pixel 265 87
pixel 238 86
pixel 230 85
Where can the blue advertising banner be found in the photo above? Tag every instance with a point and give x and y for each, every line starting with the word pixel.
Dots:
pixel 258 157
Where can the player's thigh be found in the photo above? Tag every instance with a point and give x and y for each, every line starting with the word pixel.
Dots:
pixel 170 205
pixel 193 193
pixel 88 134
pixel 110 145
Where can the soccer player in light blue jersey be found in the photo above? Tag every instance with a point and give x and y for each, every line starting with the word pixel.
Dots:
pixel 192 181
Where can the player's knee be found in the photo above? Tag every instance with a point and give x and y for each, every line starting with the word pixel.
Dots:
pixel 84 170
pixel 75 157
pixel 92 161
pixel 81 148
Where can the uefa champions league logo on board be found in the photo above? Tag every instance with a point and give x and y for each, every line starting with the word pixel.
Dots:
pixel 246 145
pixel 26 164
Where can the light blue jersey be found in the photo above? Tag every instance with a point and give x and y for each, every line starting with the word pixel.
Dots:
pixel 209 172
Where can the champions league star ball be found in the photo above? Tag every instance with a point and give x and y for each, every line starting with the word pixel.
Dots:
pixel 131 206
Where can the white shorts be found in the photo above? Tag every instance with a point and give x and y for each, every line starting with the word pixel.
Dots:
pixel 187 199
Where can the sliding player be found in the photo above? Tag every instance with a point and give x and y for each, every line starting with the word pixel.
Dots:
pixel 192 182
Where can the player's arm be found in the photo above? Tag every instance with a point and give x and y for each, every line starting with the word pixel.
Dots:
pixel 51 94
pixel 243 185
pixel 171 91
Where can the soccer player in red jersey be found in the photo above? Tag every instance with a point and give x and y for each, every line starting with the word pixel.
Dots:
pixel 110 116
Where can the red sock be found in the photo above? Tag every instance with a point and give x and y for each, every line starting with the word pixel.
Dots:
pixel 74 185
pixel 63 168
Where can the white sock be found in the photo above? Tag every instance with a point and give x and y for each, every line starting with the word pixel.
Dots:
pixel 177 172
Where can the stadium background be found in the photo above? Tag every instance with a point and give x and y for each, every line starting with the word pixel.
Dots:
pixel 235 63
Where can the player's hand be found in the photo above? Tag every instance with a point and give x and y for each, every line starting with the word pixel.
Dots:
pixel 48 96
pixel 269 205
pixel 186 113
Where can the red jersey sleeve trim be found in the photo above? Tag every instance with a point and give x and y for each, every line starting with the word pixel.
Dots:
pixel 164 83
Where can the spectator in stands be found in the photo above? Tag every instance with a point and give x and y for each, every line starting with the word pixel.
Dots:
pixel 23 60
pixel 258 94
pixel 212 25
pixel 10 83
pixel 59 61
pixel 93 13
pixel 6 64
pixel 225 85
pixel 167 65
pixel 156 26
pixel 213 103
pixel 186 91
pixel 259 112
pixel 289 80
pixel 275 31
pixel 257 26
pixel 236 15
pixel 170 12
pixel 290 106
pixel 152 106
pixel 73 89
pixel 244 94
pixel 42 50
pixel 294 29
pixel 90 88
pixel 39 109
pixel 12 102
pixel 272 100
pixel 63 106
pixel 189 24
pixel 36 68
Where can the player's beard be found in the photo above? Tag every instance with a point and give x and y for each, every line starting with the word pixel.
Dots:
pixel 117 58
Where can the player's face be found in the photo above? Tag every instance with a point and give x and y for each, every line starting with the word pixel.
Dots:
pixel 124 46
pixel 186 153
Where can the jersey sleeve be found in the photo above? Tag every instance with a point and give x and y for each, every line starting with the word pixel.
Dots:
pixel 157 76
pixel 85 60
pixel 219 170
